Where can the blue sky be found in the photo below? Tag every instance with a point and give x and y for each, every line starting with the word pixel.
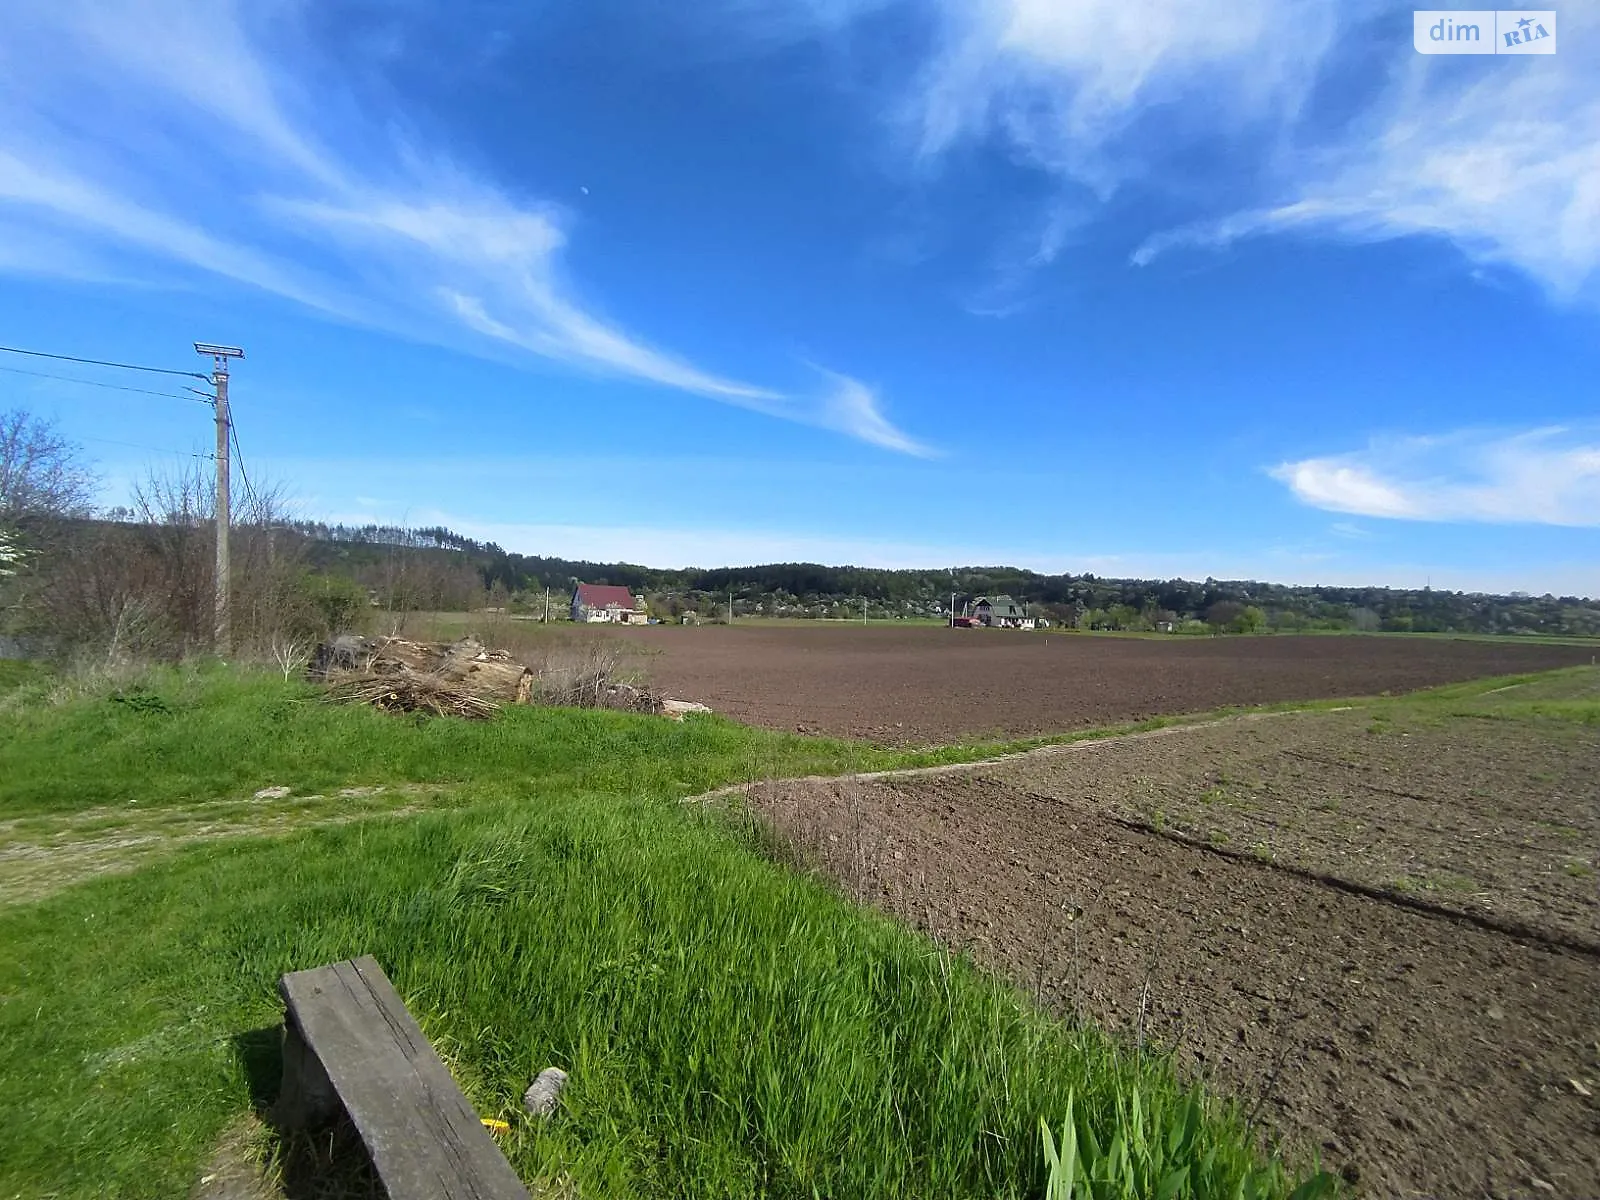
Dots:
pixel 1156 288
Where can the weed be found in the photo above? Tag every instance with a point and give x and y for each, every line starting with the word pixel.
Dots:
pixel 138 700
pixel 1148 1158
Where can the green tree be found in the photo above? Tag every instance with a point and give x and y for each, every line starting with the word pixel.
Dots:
pixel 1221 614
pixel 1123 616
pixel 1250 620
pixel 336 604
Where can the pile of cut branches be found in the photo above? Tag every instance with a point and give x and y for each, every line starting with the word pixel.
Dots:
pixel 458 679
pixel 464 679
pixel 413 694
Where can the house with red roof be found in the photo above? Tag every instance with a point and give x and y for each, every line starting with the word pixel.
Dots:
pixel 607 602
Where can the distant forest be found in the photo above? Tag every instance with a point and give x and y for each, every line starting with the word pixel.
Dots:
pixel 436 568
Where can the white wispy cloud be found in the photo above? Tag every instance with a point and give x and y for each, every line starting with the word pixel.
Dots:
pixel 1350 531
pixel 1094 93
pixel 850 406
pixel 149 134
pixel 74 205
pixel 1548 476
pixel 1064 84
pixel 1501 158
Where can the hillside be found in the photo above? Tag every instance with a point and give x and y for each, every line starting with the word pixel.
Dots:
pixel 439 569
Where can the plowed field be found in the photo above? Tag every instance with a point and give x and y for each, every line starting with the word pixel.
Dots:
pixel 924 685
pixel 1377 928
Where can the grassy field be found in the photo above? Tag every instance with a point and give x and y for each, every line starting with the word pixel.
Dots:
pixel 540 898
pixel 14 674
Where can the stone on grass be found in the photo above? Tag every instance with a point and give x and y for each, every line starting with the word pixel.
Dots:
pixel 543 1093
pixel 679 709
pixel 273 793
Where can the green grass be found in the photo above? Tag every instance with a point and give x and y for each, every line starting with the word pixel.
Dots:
pixel 732 1028
pixel 1150 1156
pixel 181 736
pixel 13 674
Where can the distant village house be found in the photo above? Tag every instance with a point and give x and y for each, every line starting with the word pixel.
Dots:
pixel 601 602
pixel 1001 612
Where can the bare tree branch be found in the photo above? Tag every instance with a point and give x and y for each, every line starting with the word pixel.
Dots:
pixel 41 473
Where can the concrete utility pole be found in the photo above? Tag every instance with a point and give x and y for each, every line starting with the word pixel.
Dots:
pixel 219 379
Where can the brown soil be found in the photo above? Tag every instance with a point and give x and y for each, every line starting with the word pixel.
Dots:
pixel 934 685
pixel 1416 1051
pixel 1501 823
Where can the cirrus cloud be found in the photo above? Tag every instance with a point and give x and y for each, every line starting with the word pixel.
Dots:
pixel 1502 162
pixel 130 142
pixel 1547 476
pixel 1332 124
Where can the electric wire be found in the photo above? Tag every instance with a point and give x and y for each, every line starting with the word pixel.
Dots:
pixel 115 387
pixel 250 492
pixel 100 362
pixel 197 396
pixel 152 449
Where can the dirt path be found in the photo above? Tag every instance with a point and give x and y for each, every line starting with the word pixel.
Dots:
pixel 41 855
pixel 1415 1052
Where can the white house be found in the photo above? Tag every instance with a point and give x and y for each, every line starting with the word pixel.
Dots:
pixel 601 602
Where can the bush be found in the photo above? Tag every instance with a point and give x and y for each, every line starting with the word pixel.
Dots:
pixel 334 604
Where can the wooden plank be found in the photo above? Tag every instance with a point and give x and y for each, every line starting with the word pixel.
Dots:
pixel 425 1140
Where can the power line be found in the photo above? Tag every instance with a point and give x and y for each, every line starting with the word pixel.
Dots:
pixel 115 387
pixel 100 362
pixel 233 432
pixel 152 449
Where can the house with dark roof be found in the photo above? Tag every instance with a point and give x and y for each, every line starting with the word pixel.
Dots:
pixel 607 602
pixel 1000 612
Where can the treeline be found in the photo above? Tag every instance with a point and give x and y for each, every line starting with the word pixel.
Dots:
pixel 434 537
pixel 448 570
pixel 139 580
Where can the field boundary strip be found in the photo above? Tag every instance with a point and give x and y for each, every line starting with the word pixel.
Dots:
pixel 1050 750
pixel 1504 926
